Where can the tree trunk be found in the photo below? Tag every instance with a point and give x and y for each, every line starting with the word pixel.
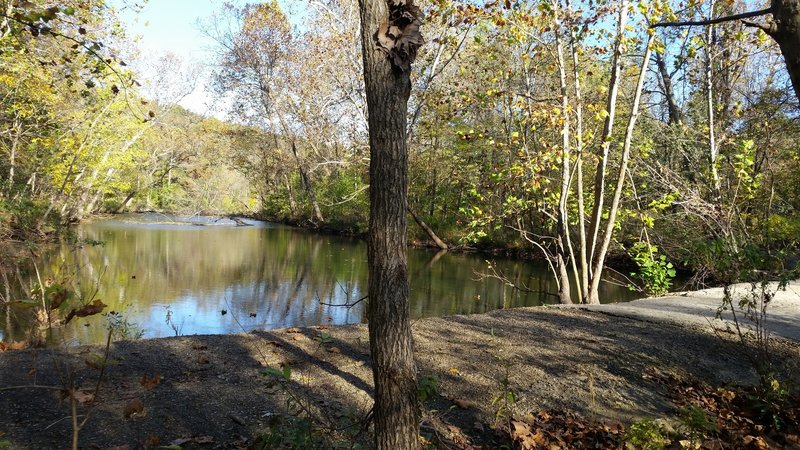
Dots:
pixel 428 230
pixel 388 86
pixel 608 126
pixel 673 110
pixel 124 203
pixel 623 168
pixel 583 291
pixel 292 202
pixel 712 140
pixel 13 159
pixel 563 243
pixel 786 32
pixel 600 174
pixel 312 196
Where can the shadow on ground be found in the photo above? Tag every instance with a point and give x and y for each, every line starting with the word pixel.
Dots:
pixel 570 360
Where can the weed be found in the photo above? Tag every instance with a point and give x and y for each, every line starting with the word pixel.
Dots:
pixel 504 400
pixel 176 328
pixel 286 432
pixel 122 329
pixel 655 272
pixel 645 434
pixel 427 388
pixel 749 313
pixel 770 401
pixel 324 338
pixel 698 423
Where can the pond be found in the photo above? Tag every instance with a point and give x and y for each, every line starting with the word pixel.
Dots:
pixel 171 275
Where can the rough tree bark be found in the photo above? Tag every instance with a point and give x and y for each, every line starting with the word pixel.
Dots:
pixel 675 116
pixel 786 31
pixel 390 38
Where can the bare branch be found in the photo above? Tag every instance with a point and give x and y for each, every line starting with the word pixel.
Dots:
pixel 769 27
pixel 731 18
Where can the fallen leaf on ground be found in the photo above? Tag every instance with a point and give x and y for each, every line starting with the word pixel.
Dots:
pixel 150 382
pixel 82 396
pixel 299 337
pixel 16 345
pixel 293 330
pixel 334 350
pixel 91 364
pixel 152 440
pixel 134 408
pixel 464 404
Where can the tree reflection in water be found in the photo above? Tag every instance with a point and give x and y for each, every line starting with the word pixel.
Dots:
pixel 263 276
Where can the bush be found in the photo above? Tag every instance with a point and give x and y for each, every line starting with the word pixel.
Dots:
pixel 655 272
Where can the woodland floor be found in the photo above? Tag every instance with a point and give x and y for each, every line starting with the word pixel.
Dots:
pixel 210 391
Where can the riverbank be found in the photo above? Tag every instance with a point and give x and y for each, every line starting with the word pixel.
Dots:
pixel 212 388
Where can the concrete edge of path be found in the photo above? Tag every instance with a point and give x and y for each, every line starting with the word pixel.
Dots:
pixel 699 309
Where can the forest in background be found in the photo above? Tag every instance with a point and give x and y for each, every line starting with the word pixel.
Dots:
pixel 567 131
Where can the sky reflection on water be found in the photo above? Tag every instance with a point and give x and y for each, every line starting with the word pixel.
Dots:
pixel 213 277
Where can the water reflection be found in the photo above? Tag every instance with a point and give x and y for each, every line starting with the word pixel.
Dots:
pixel 173 275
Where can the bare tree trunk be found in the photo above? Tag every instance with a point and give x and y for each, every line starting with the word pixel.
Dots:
pixel 608 126
pixel 292 202
pixel 5 24
pixel 673 110
pixel 428 230
pixel 124 203
pixel 307 186
pixel 13 156
pixel 582 255
pixel 712 141
pixel 623 168
pixel 388 87
pixel 600 174
pixel 563 244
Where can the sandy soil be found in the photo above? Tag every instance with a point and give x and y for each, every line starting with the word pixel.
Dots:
pixel 212 388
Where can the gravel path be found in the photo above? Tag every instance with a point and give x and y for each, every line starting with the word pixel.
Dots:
pixel 699 308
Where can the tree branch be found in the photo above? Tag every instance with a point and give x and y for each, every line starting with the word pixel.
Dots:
pixel 731 18
pixel 768 27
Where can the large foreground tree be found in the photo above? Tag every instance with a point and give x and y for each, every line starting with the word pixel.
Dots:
pixel 390 39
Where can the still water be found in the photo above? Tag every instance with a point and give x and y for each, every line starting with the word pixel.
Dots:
pixel 173 275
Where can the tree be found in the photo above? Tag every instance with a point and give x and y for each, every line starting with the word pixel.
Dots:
pixel 390 38
pixel 783 27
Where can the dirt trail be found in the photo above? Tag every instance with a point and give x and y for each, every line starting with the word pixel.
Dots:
pixel 212 386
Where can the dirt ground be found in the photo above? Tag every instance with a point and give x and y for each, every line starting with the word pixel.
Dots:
pixel 210 391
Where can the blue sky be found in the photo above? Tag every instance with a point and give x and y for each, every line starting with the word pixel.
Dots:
pixel 171 26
